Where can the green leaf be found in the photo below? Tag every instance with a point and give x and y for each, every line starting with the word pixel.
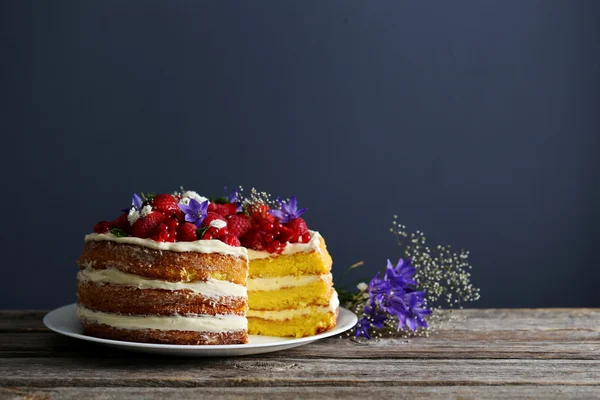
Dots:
pixel 201 231
pixel 119 232
pixel 219 200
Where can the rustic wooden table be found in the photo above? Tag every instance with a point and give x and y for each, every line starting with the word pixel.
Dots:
pixel 540 353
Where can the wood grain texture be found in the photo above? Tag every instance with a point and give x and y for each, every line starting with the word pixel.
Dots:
pixel 549 353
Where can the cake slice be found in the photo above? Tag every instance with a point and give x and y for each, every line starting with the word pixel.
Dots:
pixel 290 286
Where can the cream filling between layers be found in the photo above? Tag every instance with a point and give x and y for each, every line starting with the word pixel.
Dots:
pixel 199 246
pixel 200 323
pixel 276 283
pixel 290 248
pixel 211 288
pixel 281 315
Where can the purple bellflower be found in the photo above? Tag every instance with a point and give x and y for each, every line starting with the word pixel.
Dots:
pixel 394 296
pixel 136 202
pixel 289 211
pixel 195 212
pixel 233 198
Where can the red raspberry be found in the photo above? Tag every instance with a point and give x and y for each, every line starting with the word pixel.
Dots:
pixel 230 240
pixel 211 216
pixel 238 225
pixel 121 223
pixel 223 209
pixel 165 203
pixel 298 225
pixel 148 226
pixel 254 240
pixel 102 227
pixel 187 232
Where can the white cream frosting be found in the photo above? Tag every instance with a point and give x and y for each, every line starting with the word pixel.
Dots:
pixel 199 246
pixel 259 284
pixel 281 315
pixel 291 248
pixel 198 323
pixel 218 223
pixel 211 288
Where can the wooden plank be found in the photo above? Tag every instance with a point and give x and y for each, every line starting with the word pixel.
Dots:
pixel 231 372
pixel 285 393
pixel 554 344
pixel 469 320
pixel 22 320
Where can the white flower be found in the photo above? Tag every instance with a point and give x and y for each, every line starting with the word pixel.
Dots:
pixel 146 210
pixel 133 216
pixel 218 223
pixel 362 286
pixel 190 194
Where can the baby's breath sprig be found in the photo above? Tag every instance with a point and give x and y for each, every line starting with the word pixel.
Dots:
pixel 257 197
pixel 441 272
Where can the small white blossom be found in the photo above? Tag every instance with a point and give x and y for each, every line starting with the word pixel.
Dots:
pixel 133 216
pixel 146 210
pixel 218 223
pixel 362 286
pixel 190 194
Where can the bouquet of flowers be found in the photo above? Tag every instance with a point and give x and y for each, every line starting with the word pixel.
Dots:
pixel 424 280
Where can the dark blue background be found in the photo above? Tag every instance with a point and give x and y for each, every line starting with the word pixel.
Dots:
pixel 474 121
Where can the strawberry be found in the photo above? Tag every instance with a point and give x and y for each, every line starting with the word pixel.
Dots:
pixel 146 226
pixel 211 216
pixel 298 225
pixel 238 225
pixel 187 232
pixel 121 222
pixel 254 240
pixel 223 209
pixel 165 203
pixel 230 240
pixel 102 227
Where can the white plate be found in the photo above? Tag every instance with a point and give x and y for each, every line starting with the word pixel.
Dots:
pixel 64 320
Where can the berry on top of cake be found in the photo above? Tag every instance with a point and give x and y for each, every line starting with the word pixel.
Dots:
pixel 180 217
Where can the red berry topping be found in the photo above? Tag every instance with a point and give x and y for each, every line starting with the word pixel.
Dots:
pixel 148 226
pixel 275 247
pixel 102 227
pixel 187 232
pixel 121 223
pixel 211 216
pixel 298 225
pixel 238 225
pixel 254 240
pixel 305 238
pixel 223 209
pixel 287 235
pixel 172 223
pixel 165 203
pixel 230 240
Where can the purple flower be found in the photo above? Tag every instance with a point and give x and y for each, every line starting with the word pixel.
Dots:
pixel 195 212
pixel 136 202
pixel 415 315
pixel 289 211
pixel 394 296
pixel 233 198
pixel 400 276
pixel 362 327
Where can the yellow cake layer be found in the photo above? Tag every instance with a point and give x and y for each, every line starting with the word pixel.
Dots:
pixel 310 263
pixel 315 293
pixel 306 325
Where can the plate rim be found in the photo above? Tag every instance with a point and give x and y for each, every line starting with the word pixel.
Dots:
pixel 47 321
